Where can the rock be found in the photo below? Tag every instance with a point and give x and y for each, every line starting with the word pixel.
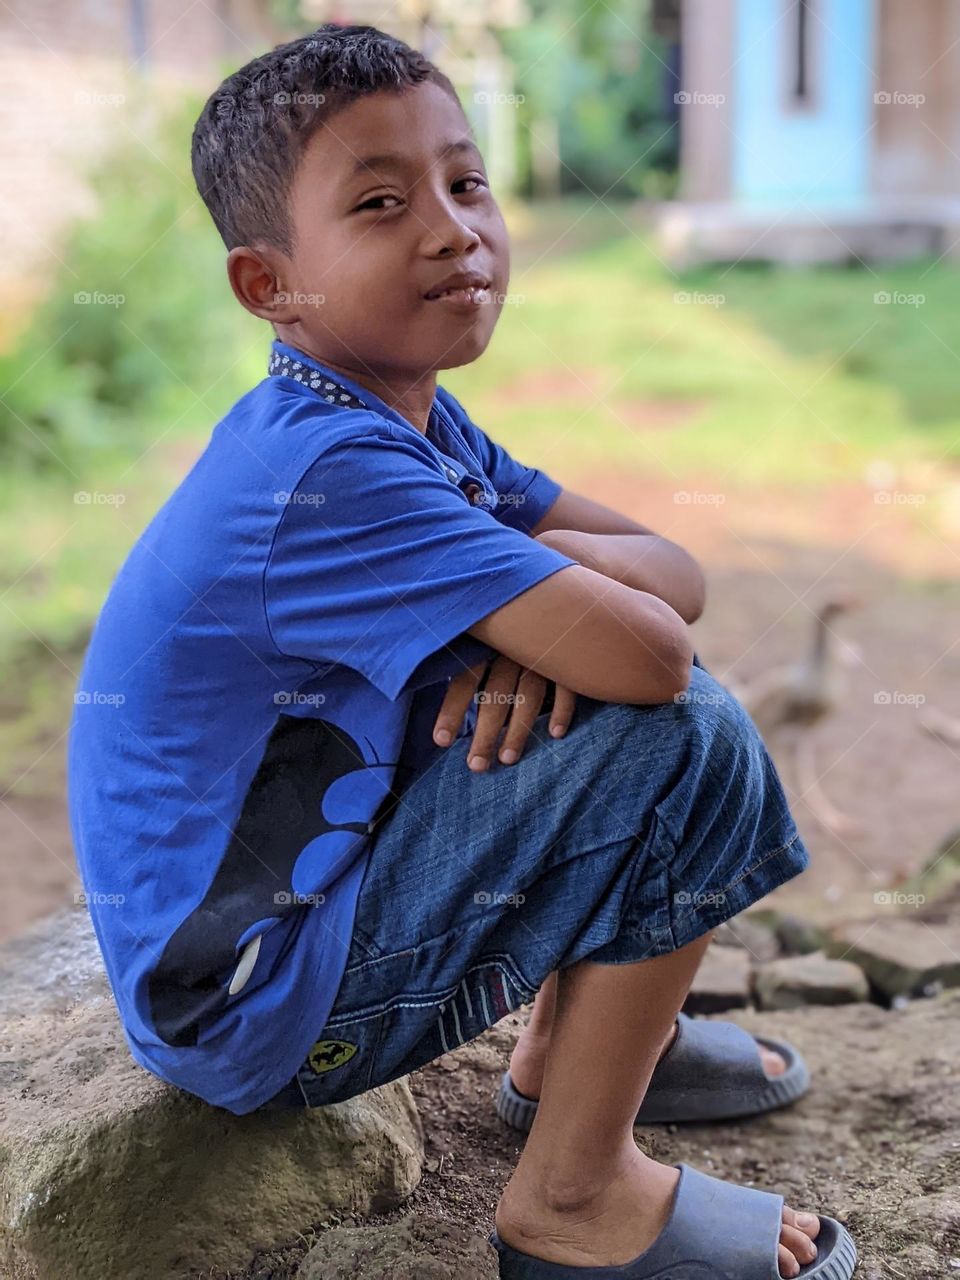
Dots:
pixel 722 982
pixel 105 1171
pixel 798 937
pixel 409 1249
pixel 900 956
pixel 798 980
pixel 940 877
pixel 751 936
pixel 51 966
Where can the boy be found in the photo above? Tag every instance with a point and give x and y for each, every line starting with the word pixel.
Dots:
pixel 319 879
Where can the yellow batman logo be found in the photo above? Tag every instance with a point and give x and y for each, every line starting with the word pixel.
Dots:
pixel 327 1055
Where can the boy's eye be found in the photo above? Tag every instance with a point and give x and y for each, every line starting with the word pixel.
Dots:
pixel 376 202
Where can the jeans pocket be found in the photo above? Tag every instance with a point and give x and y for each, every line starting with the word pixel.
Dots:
pixel 362 949
pixel 340 1063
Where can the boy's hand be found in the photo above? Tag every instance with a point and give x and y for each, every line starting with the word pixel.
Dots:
pixel 509 690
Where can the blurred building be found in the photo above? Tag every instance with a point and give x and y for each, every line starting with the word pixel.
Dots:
pixel 460 36
pixel 79 74
pixel 815 130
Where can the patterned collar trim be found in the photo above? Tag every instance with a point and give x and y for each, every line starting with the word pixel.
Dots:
pixel 282 365
pixel 285 366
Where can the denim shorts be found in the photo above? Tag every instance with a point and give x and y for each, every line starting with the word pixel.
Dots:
pixel 640 830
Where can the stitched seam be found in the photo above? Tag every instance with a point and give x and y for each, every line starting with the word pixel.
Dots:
pixel 721 893
pixel 434 998
pixel 766 858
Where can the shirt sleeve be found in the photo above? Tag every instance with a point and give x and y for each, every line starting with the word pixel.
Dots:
pixel 381 563
pixel 524 494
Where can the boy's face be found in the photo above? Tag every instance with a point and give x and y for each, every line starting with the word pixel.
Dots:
pixel 389 200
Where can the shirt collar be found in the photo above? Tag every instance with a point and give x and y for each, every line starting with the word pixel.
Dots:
pixel 290 362
pixel 342 392
pixel 335 387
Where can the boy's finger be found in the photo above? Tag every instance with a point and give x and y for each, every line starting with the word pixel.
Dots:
pixel 564 705
pixel 493 705
pixel 457 698
pixel 523 714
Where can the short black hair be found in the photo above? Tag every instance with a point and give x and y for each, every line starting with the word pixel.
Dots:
pixel 252 131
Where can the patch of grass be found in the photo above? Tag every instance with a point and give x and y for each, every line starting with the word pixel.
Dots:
pixel 767 413
pixel 907 343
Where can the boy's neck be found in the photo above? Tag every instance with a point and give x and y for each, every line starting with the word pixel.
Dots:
pixel 411 397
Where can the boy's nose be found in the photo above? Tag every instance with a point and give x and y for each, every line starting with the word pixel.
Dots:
pixel 449 235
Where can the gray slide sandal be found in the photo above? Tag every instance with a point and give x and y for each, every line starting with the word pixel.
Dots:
pixel 716 1231
pixel 712 1071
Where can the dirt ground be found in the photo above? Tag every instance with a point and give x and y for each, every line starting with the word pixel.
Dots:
pixel 874 1143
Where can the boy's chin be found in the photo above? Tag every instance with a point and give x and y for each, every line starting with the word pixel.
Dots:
pixel 464 352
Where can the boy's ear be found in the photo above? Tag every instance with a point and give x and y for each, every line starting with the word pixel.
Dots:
pixel 257 284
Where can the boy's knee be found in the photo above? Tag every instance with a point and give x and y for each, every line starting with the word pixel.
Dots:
pixel 720 742
pixel 714 711
pixel 702 734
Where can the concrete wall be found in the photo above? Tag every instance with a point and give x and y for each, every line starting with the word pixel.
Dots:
pixel 707 80
pixel 73 73
pixel 917 136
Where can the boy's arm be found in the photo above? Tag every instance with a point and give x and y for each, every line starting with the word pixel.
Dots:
pixel 575 511
pixel 619 548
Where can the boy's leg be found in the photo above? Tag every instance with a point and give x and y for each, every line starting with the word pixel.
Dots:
pixel 583 1194
pixel 529 1055
pixel 610 854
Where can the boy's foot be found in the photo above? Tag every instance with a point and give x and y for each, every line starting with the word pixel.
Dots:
pixel 530 1055
pixel 620 1221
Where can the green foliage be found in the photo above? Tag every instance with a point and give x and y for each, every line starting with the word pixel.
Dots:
pixel 601 75
pixel 133 329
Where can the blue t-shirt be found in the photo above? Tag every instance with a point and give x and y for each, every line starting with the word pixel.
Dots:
pixel 297 603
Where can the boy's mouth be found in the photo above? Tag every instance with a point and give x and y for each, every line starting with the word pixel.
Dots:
pixel 465 289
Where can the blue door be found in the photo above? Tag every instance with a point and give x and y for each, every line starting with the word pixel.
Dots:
pixel 803 89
